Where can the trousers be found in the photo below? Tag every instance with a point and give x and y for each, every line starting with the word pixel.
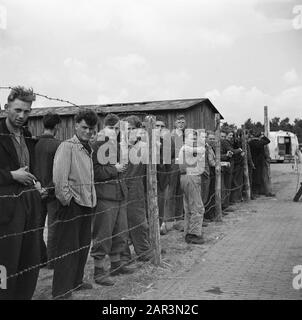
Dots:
pixel 193 206
pixel 73 242
pixel 22 251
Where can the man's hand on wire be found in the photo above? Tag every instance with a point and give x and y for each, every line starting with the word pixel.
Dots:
pixel 229 154
pixel 121 167
pixel 43 192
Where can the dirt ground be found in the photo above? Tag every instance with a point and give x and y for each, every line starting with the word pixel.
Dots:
pixel 178 257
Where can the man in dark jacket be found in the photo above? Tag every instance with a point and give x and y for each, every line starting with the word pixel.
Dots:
pixel 227 153
pixel 257 144
pixel 134 179
pixel 20 211
pixel 175 200
pixel 238 170
pixel 109 233
pixel 45 151
pixel 163 172
pixel 210 212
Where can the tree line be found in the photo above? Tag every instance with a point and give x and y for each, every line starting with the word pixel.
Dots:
pixel 276 124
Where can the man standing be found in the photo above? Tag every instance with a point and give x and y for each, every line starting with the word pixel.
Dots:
pixel 175 199
pixel 163 171
pixel 237 176
pixel 21 213
pixel 227 153
pixel 136 208
pixel 226 171
pixel 250 162
pixel 73 178
pixel 109 230
pixel 209 203
pixel 257 144
pixel 44 155
pixel 191 162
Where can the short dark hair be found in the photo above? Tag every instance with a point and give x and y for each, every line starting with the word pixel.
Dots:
pixel 161 118
pixel 226 131
pixel 111 119
pixel 134 120
pixel 180 116
pixel 50 120
pixel 89 116
pixel 21 93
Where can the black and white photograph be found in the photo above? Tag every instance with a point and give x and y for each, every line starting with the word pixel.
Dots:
pixel 150 153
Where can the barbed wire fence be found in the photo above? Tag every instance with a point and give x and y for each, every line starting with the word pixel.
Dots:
pixel 20 273
pixel 152 208
pixel 44 96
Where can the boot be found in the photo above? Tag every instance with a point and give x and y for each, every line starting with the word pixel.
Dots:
pixel 84 286
pixel 117 268
pixel 102 277
pixel 193 239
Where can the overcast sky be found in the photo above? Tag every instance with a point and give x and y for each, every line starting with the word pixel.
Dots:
pixel 241 55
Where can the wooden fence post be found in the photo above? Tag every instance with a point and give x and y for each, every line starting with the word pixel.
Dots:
pixel 266 133
pixel 246 166
pixel 218 170
pixel 153 213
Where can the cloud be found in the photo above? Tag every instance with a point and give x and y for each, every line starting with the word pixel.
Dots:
pixel 132 78
pixel 116 51
pixel 291 77
pixel 72 63
pixel 238 103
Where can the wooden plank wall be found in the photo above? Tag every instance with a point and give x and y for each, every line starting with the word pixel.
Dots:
pixel 199 117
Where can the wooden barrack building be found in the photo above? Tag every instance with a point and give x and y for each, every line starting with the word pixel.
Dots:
pixel 199 113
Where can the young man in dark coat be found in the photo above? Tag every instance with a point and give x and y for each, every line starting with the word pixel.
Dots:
pixel 237 177
pixel 163 172
pixel 227 154
pixel 45 151
pixel 109 232
pixel 210 212
pixel 136 208
pixel 21 213
pixel 257 143
pixel 175 200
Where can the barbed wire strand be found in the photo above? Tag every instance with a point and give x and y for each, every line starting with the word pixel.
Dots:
pixel 106 275
pixel 76 251
pixel 73 252
pixel 44 96
pixel 18 195
pixel 92 214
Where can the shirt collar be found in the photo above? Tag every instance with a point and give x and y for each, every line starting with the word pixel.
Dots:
pixel 80 144
pixel 47 135
pixel 11 130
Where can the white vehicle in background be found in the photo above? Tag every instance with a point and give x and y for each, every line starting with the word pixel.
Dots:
pixel 284 146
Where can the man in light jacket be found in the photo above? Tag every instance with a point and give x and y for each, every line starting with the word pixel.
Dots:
pixel 73 178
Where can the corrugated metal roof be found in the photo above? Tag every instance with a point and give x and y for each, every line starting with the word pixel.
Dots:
pixel 149 106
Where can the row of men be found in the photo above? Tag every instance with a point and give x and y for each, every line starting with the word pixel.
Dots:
pixel 66 182
pixel 75 190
